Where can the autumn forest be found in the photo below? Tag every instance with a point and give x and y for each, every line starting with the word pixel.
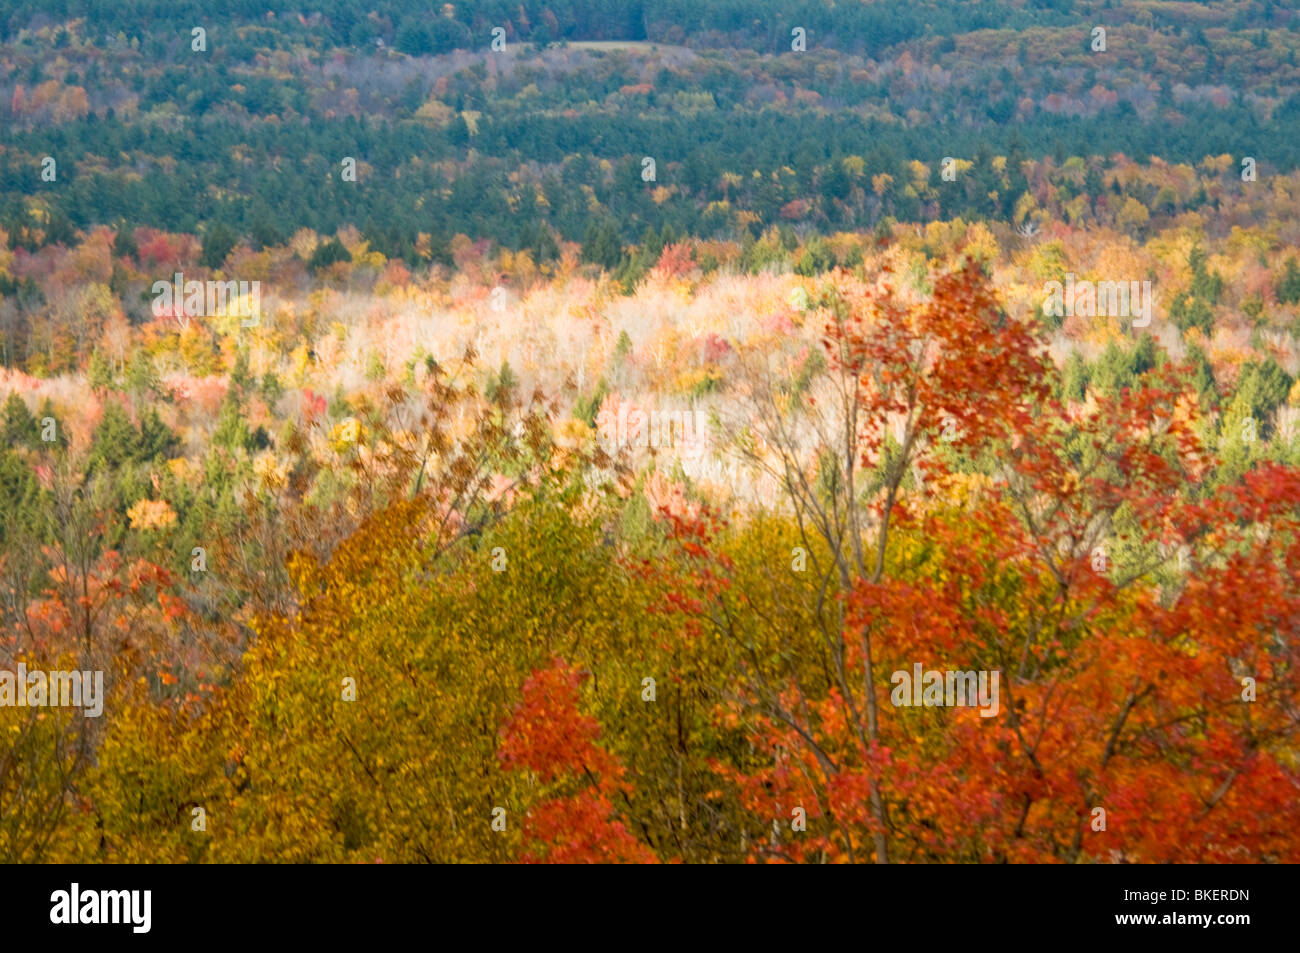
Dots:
pixel 565 431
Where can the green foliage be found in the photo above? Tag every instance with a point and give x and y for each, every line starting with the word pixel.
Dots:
pixel 1194 307
pixel 1191 312
pixel 622 348
pixel 586 407
pixel 218 241
pixel 328 253
pixel 1206 285
pixel 116 443
pixel 232 431
pixel 1075 377
pixel 19 427
pixel 46 413
pixel 141 375
pixel 1253 307
pixel 502 389
pixel 1117 368
pixel 766 253
pixel 99 374
pixel 241 378
pixel 1288 286
pixel 601 245
pixel 271 388
pixel 21 513
pixel 816 258
pixel 1202 376
pixel 124 244
pixel 1261 389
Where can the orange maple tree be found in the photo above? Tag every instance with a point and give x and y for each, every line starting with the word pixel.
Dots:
pixel 549 736
pixel 1146 713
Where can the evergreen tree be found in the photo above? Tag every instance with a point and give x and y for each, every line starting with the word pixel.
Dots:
pixel 601 245
pixel 218 241
pixel 19 425
pixel 1288 287
pixel 328 253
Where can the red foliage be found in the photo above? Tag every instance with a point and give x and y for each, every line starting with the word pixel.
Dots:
pixel 313 405
pixel 1115 693
pixel 713 348
pixel 676 260
pixel 795 209
pixel 549 736
pixel 158 248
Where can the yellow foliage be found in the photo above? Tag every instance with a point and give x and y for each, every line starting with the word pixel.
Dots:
pixel 151 514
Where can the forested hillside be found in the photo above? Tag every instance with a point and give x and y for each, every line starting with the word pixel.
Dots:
pixel 546 431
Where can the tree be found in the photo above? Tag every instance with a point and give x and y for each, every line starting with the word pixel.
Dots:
pixel 328 253
pixel 19 426
pixel 293 744
pixel 218 241
pixel 1261 389
pixel 141 375
pixel 601 245
pixel 956 363
pixel 1053 571
pixel 124 245
pixel 549 737
pixel 82 607
pixel 1288 286
pixel 99 374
